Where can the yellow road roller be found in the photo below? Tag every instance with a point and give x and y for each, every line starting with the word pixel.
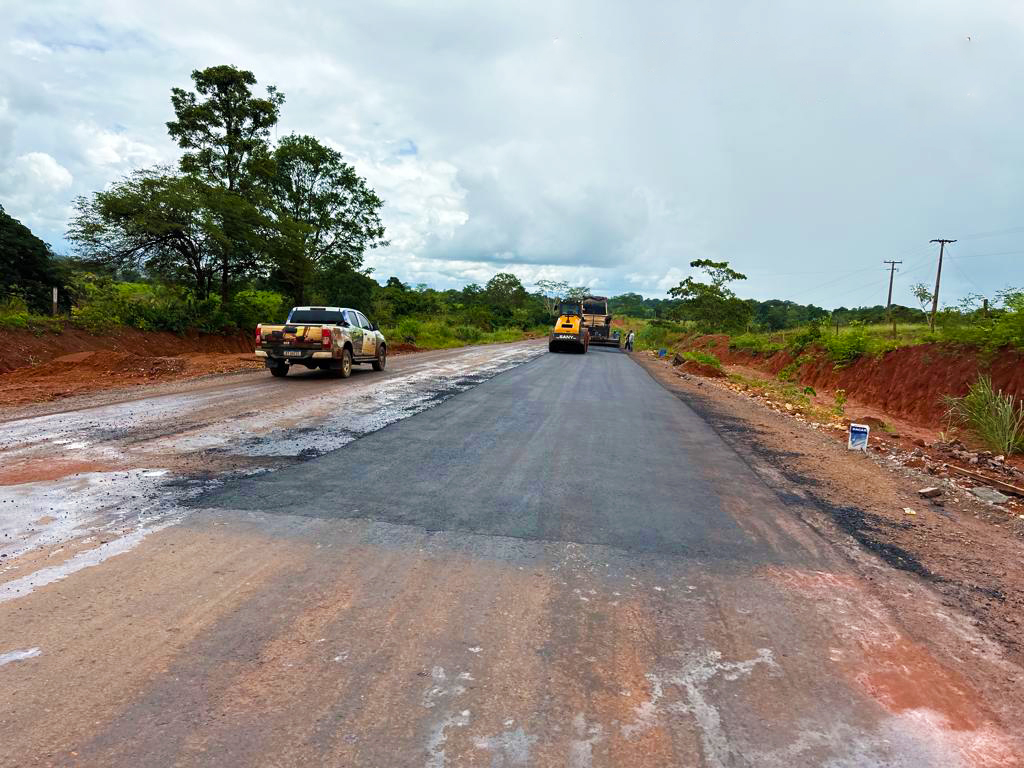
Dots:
pixel 570 333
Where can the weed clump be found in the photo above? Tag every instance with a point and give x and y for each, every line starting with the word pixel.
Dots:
pixel 993 417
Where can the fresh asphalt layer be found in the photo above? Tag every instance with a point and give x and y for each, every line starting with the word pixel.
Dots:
pixel 571 448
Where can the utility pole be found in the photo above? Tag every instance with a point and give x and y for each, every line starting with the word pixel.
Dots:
pixel 888 303
pixel 938 278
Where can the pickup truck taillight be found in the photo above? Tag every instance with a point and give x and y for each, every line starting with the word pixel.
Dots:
pixel 325 338
pixel 259 336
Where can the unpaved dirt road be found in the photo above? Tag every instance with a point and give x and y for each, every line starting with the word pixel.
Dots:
pixel 488 557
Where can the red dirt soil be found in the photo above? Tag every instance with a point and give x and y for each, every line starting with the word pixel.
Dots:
pixel 702 369
pixel 37 368
pixel 19 349
pixel 907 383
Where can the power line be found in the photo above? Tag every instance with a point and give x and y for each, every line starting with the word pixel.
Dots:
pixel 966 278
pixel 855 291
pixel 981 255
pixel 832 282
pixel 994 233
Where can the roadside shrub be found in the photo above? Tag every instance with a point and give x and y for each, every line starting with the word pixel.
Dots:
pixel 658 335
pixel 840 401
pixel 993 417
pixel 755 342
pixel 13 305
pixel 705 358
pixel 479 317
pixel 409 329
pixel 788 373
pixel 804 338
pixel 91 318
pixel 846 347
pixel 15 315
pixel 101 303
pixel 249 308
pixel 467 333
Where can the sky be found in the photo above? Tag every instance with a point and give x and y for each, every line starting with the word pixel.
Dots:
pixel 603 143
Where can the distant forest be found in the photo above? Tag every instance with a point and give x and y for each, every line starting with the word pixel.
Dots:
pixel 773 314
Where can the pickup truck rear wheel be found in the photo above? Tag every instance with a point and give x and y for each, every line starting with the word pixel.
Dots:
pixel 382 358
pixel 280 370
pixel 344 369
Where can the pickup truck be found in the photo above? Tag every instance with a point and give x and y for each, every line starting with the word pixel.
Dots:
pixel 329 338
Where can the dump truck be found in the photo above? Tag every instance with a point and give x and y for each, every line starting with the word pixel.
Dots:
pixel 599 322
pixel 570 332
pixel 329 338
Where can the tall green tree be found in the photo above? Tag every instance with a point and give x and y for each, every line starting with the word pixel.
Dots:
pixel 28 269
pixel 225 132
pixel 225 129
pixel 504 292
pixel 712 305
pixel 328 215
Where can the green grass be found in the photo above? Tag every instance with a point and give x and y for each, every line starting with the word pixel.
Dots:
pixel 996 419
pixel 704 358
pixel 14 316
pixel 440 334
pixel 760 343
pixel 849 344
pixel 652 333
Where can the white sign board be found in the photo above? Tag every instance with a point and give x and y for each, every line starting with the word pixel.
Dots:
pixel 858 440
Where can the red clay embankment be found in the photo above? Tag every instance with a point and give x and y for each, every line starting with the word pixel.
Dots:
pixel 40 367
pixel 19 349
pixel 907 383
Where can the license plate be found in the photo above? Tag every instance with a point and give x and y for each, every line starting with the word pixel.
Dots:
pixel 293 353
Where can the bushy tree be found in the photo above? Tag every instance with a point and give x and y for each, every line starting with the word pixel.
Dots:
pixel 237 210
pixel 225 132
pixel 504 293
pixel 328 215
pixel 712 305
pixel 153 220
pixel 225 129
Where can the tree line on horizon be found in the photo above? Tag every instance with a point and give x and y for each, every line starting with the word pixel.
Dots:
pixel 31 270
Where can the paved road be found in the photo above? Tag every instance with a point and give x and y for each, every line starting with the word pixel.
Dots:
pixel 563 565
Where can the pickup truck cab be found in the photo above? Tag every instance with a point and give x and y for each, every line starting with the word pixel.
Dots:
pixel 329 338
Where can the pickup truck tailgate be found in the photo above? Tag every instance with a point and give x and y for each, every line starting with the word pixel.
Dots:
pixel 294 336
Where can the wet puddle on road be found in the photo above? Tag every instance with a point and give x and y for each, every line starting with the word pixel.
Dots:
pixel 79 487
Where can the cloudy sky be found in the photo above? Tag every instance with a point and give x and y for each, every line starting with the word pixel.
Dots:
pixel 600 142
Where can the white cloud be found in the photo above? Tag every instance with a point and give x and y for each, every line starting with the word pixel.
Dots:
pixel 31 49
pixel 647 136
pixel 33 188
pixel 108 149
